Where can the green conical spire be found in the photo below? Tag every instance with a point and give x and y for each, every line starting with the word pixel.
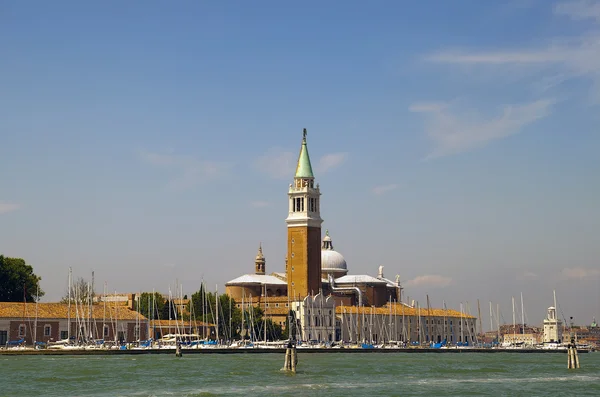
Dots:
pixel 304 169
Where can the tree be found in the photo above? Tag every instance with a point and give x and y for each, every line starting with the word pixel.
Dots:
pixel 255 323
pixel 274 331
pixel 82 291
pixel 151 305
pixel 169 311
pixel 203 307
pixel 17 281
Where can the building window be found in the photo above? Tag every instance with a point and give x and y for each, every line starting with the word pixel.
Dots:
pixel 105 331
pixel 47 330
pixel 22 330
pixel 277 305
pixel 64 334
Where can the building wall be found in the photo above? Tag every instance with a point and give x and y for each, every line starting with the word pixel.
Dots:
pixel 552 331
pixel 316 317
pixel 527 339
pixel 239 292
pixel 381 328
pixel 377 295
pixel 303 261
pixel 57 330
pixel 46 330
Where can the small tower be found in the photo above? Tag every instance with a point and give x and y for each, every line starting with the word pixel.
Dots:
pixel 552 327
pixel 259 262
pixel 327 243
pixel 304 230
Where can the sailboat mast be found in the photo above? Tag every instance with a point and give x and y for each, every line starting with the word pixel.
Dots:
pixel 498 321
pixel 37 298
pixel 491 318
pixel 514 320
pixel 242 333
pixel 217 309
pixel 479 314
pixel 461 324
pixel 522 315
pixel 92 320
pixel 104 314
pixel 69 307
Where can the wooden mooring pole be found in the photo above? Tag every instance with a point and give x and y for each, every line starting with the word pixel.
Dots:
pixel 572 353
pixel 178 349
pixel 291 358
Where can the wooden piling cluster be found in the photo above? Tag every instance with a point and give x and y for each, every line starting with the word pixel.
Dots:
pixel 291 358
pixel 572 353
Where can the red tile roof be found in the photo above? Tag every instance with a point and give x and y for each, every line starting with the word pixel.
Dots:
pixel 60 311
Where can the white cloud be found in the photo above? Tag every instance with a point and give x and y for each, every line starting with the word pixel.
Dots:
pixel 528 276
pixel 429 280
pixel 277 163
pixel 379 190
pixel 424 107
pixel 579 273
pixel 582 9
pixel 560 60
pixel 260 204
pixel 188 170
pixel 330 161
pixel 8 207
pixel 454 131
pixel 280 163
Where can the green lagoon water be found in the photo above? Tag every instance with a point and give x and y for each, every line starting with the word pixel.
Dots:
pixel 333 374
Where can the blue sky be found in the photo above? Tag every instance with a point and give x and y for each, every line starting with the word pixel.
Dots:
pixel 456 143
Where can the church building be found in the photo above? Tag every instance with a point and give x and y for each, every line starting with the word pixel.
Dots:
pixel 316 285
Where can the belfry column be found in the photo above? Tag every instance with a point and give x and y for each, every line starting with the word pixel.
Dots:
pixel 303 267
pixel 259 261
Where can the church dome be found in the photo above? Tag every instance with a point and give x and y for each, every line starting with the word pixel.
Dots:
pixel 332 262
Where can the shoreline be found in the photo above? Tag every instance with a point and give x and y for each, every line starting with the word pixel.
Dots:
pixel 104 352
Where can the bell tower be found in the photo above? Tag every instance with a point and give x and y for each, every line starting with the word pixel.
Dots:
pixel 303 262
pixel 259 262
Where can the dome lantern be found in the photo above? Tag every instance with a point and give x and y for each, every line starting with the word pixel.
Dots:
pixel 332 262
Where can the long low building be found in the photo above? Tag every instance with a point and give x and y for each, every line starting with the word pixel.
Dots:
pixel 319 319
pixel 27 323
pixel 399 322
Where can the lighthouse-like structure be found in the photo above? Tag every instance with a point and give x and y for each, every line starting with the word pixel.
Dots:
pixel 303 261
